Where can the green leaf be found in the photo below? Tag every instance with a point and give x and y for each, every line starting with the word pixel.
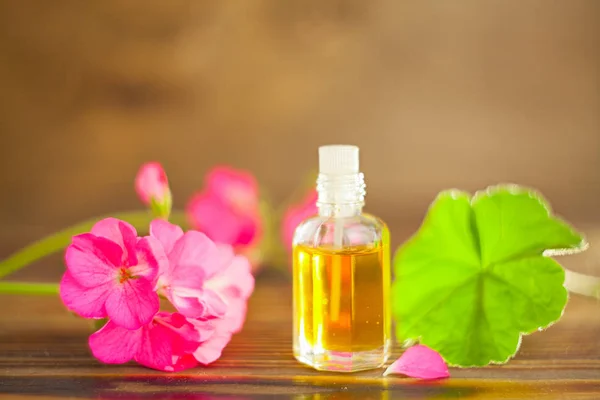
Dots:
pixel 477 276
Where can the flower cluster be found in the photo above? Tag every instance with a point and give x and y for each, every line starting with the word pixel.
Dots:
pixel 115 275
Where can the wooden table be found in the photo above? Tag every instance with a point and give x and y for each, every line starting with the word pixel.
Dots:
pixel 44 354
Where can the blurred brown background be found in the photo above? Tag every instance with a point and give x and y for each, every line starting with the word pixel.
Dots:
pixel 437 94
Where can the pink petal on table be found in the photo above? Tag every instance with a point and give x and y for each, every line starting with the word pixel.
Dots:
pixel 419 362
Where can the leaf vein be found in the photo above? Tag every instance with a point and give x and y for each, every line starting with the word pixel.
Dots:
pixel 440 301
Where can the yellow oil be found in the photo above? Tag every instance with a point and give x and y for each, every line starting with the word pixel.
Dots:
pixel 341 299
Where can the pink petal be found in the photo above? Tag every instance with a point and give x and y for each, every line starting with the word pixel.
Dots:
pixel 233 321
pixel 236 187
pixel 190 306
pixel 226 254
pixel 211 350
pixel 234 284
pixel 156 349
pixel 186 278
pixel 204 329
pixel 223 224
pixel 183 286
pixel 419 362
pixel 115 345
pixel 211 215
pixel 195 249
pixel 227 210
pixel 249 229
pixel 93 260
pixel 150 257
pixel 234 280
pixel 132 303
pixel 184 334
pixel 86 302
pixel 205 304
pixel 151 182
pixel 120 232
pixel 168 343
pixel 181 363
pixel 214 306
pixel 166 233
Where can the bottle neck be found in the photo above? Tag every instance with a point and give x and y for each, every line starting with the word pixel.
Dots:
pixel 340 195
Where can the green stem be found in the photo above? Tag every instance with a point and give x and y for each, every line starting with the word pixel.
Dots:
pixel 582 284
pixel 60 240
pixel 42 289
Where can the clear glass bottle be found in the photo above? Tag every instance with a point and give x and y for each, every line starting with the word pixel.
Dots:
pixel 341 273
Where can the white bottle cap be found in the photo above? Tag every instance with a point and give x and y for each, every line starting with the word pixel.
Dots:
pixel 338 160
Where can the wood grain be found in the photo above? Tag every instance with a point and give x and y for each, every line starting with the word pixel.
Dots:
pixel 44 354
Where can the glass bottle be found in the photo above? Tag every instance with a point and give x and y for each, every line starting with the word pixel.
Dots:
pixel 341 260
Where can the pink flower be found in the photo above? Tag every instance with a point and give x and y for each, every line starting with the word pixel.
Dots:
pixel 111 273
pixel 419 362
pixel 152 187
pixel 191 259
pixel 234 283
pixel 227 210
pixel 296 214
pixel 167 343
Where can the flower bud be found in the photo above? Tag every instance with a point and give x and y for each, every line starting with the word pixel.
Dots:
pixel 152 187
